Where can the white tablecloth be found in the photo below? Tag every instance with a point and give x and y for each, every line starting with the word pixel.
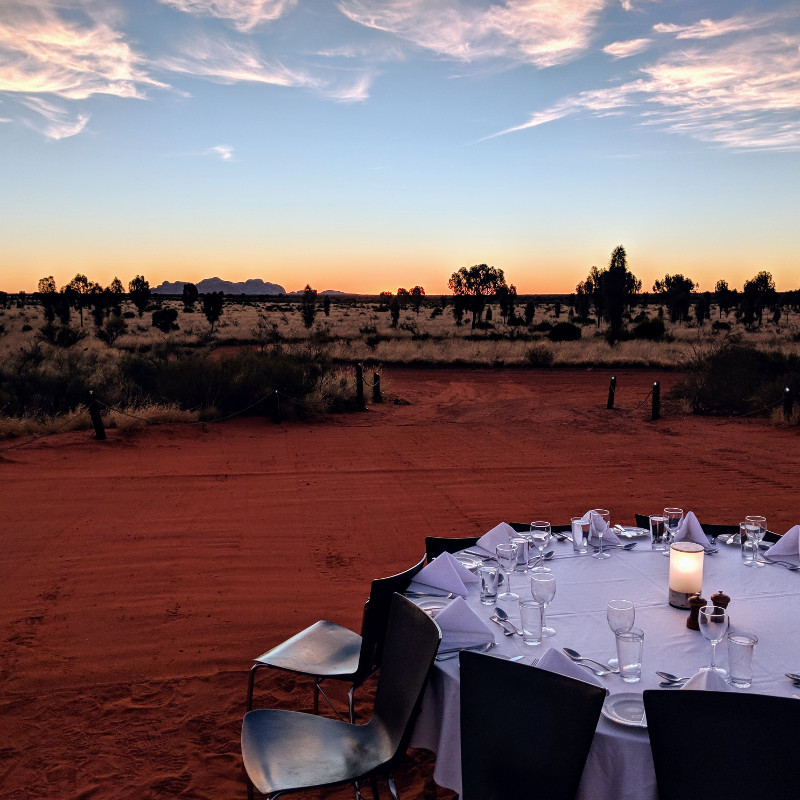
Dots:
pixel 620 767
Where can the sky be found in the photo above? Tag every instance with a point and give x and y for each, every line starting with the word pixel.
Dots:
pixel 366 145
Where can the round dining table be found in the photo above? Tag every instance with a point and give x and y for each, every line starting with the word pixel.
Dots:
pixel 764 601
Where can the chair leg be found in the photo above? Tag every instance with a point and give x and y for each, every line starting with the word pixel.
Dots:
pixel 351 704
pixel 375 793
pixel 393 788
pixel 251 682
pixel 316 695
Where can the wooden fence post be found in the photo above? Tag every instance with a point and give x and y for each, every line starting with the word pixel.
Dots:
pixel 656 401
pixel 612 388
pixel 360 386
pixel 376 388
pixel 94 413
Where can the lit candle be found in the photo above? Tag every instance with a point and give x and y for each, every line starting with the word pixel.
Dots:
pixel 685 572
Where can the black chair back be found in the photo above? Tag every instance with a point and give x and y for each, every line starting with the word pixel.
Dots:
pixel 697 742
pixel 525 732
pixel 376 618
pixel 436 545
pixel 411 642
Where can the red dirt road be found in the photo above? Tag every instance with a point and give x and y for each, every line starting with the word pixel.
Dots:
pixel 140 575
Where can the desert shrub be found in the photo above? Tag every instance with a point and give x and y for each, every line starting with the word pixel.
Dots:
pixel 164 319
pixel 719 325
pixel 564 332
pixel 539 355
pixel 543 327
pixel 61 335
pixel 25 328
pixel 651 329
pixel 733 379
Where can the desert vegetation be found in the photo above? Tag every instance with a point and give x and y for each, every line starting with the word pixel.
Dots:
pixel 148 357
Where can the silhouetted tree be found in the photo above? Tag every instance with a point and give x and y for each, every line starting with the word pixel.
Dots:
pixel 611 290
pixel 417 293
pixel 139 290
pixel 530 311
pixel 189 296
pixel 326 305
pixel 47 285
pixel 164 319
pixel 308 307
pixel 394 310
pixel 758 293
pixel 724 297
pixel 212 306
pixel 402 297
pixel 475 283
pixel 677 293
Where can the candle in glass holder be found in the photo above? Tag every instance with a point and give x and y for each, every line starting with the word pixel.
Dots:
pixel 685 572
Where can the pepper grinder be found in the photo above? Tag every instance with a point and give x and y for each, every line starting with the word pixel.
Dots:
pixel 695 604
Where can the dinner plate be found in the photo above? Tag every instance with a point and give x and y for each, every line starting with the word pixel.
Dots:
pixel 626 709
pixel 470 562
pixel 631 532
pixel 433 607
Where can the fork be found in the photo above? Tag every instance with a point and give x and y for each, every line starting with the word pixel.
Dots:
pixel 788 564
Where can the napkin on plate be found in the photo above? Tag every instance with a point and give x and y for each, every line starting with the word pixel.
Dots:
pixel 709 681
pixel 609 537
pixel 500 534
pixel 445 573
pixel 556 661
pixel 788 546
pixel 461 626
pixel 690 530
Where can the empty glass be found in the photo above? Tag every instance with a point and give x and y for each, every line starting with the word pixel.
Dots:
pixel 754 528
pixel 507 557
pixel 540 534
pixel 530 614
pixel 543 589
pixel 713 625
pixel 620 615
pixel 674 517
pixel 600 518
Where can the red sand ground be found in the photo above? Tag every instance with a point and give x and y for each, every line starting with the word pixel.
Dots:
pixel 140 575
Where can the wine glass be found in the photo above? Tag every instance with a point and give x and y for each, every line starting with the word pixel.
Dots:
pixel 674 517
pixel 713 625
pixel 599 518
pixel 506 553
pixel 540 534
pixel 543 590
pixel 754 527
pixel 620 615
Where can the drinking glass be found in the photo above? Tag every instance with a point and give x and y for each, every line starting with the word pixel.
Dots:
pixel 580 534
pixel 658 532
pixel 674 517
pixel 620 615
pixel 540 534
pixel 600 518
pixel 543 589
pixel 740 659
pixel 754 527
pixel 521 565
pixel 630 645
pixel 530 615
pixel 713 625
pixel 507 556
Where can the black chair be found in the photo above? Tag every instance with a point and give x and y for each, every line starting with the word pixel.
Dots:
pixel 326 650
pixel 525 732
pixel 436 545
pixel 710 529
pixel 704 743
pixel 286 751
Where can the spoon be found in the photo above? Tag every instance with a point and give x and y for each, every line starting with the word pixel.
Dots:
pixel 628 546
pixel 506 630
pixel 578 658
pixel 788 564
pixel 562 535
pixel 547 556
pixel 443 655
pixel 668 676
pixel 503 616
pixel 671 684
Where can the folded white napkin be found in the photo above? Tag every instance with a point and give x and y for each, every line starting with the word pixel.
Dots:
pixel 445 573
pixel 690 531
pixel 461 626
pixel 788 546
pixel 709 681
pixel 500 534
pixel 598 526
pixel 556 661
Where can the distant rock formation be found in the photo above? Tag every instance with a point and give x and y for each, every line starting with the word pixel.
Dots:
pixel 251 286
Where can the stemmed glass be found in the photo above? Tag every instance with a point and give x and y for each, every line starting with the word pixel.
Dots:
pixel 540 535
pixel 620 615
pixel 599 518
pixel 754 527
pixel 674 517
pixel 713 625
pixel 543 590
pixel 507 556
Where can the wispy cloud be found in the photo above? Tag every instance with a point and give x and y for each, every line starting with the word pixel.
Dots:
pixel 540 32
pixel 222 151
pixel 745 95
pixel 244 15
pixel 45 51
pixel 625 49
pixel 710 29
pixel 52 120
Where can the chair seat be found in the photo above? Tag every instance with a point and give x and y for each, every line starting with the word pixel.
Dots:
pixel 277 747
pixel 324 649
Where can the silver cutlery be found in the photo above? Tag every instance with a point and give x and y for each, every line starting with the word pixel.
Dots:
pixel 668 676
pixel 503 616
pixel 482 556
pixel 546 557
pixel 443 655
pixel 671 684
pixel 578 659
pixel 607 545
pixel 414 593
pixel 506 630
pixel 794 676
pixel 777 561
pixel 562 536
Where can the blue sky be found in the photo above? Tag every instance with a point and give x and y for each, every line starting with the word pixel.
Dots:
pixel 364 145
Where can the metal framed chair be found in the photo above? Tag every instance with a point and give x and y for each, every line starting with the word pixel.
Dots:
pixel 327 651
pixel 288 751
pixel 436 545
pixel 714 763
pixel 505 706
